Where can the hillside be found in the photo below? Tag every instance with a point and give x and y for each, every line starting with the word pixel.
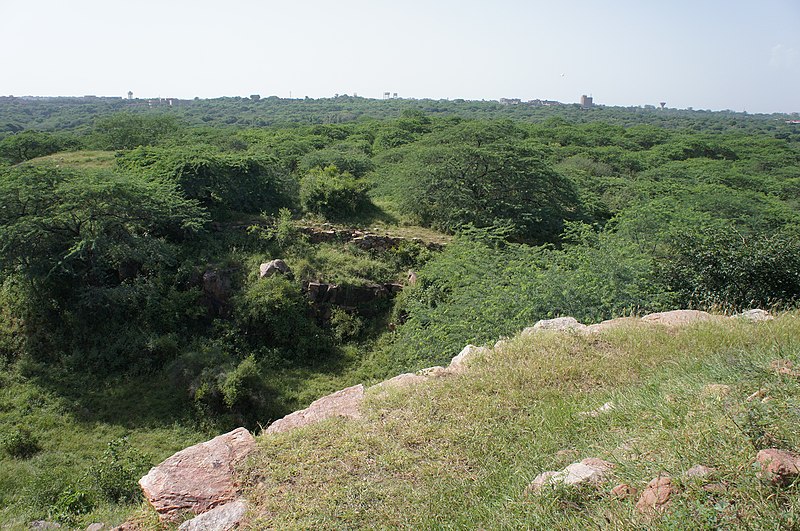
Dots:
pixel 460 451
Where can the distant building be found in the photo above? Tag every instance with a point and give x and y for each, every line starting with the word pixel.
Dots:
pixel 544 103
pixel 586 102
pixel 510 101
pixel 130 94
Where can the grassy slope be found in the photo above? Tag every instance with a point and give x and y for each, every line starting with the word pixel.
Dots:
pixel 459 452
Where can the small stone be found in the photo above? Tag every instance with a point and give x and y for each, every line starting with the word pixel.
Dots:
pixel 716 488
pixel 700 471
pixel 434 372
pixel 44 524
pixel 656 495
pixel 97 526
pixel 605 408
pixel 785 368
pixel 757 395
pixel 540 481
pixel 716 390
pixel 778 467
pixel 623 491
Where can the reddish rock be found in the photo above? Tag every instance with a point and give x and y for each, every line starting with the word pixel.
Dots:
pixel 656 495
pixel 623 491
pixel 785 368
pixel 198 478
pixel 779 467
pixel 345 403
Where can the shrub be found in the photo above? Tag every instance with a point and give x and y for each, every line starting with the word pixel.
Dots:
pixel 115 474
pixel 20 443
pixel 333 194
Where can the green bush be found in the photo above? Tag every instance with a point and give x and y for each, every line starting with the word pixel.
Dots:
pixel 116 473
pixel 20 443
pixel 333 194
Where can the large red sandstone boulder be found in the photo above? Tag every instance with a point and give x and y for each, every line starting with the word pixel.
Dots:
pixel 198 478
pixel 345 403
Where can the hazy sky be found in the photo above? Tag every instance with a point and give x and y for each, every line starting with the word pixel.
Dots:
pixel 706 54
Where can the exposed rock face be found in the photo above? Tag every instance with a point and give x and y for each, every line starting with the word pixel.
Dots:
pixel 755 315
pixel 197 478
pixel 274 267
pixel 778 467
pixel 589 471
pixel 407 379
pixel 557 324
pixel 344 403
pixel 216 285
pixel 656 495
pixel 677 317
pixel 349 296
pixel 222 518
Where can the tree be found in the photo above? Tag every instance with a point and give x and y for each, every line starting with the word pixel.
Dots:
pixel 485 175
pixel 32 144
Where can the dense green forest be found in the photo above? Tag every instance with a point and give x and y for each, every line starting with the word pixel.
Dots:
pixel 134 319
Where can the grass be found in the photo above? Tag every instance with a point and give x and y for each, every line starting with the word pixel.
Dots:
pixel 74 419
pixel 458 452
pixel 93 160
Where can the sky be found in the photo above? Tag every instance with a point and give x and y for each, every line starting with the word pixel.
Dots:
pixel 742 55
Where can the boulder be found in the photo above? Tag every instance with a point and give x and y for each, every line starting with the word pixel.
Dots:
pixel 561 324
pixel 222 518
pixel 467 353
pixel 656 495
pixel 199 478
pixel 755 315
pixel 345 403
pixel 274 267
pixel 677 317
pixel 778 467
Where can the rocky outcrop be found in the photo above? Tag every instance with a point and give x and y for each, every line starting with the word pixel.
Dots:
pixel 199 478
pixel 222 518
pixel 274 267
pixel 320 293
pixel 559 324
pixel 468 353
pixel 217 289
pixel 345 403
pixel 677 317
pixel 778 467
pixel 755 315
